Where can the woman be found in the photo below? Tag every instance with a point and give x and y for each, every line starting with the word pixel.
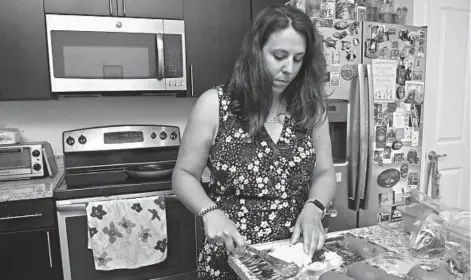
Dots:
pixel 260 136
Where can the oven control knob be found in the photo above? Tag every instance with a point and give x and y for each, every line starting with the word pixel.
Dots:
pixel 82 139
pixel 173 135
pixel 163 135
pixel 37 167
pixel 70 141
pixel 35 153
pixel 153 135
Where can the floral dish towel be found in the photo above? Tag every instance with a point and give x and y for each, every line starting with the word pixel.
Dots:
pixel 127 233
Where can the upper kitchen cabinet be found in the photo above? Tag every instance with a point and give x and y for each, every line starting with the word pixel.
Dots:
pixel 258 5
pixel 166 9
pixel 82 7
pixel 214 30
pixel 24 72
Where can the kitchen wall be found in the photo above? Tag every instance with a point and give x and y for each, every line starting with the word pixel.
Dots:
pixel 47 119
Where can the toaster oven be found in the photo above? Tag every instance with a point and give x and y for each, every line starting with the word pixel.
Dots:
pixel 26 160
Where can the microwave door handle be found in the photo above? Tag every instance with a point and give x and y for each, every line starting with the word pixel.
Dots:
pixel 111 7
pixel 160 56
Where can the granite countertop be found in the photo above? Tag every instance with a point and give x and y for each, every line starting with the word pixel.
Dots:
pixel 389 235
pixel 32 188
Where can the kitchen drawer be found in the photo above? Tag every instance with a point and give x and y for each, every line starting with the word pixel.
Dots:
pixel 27 214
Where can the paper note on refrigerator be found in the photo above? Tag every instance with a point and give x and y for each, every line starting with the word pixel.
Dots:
pixel 384 79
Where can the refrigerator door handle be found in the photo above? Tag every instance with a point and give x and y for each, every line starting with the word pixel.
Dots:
pixel 363 145
pixel 354 145
pixel 370 134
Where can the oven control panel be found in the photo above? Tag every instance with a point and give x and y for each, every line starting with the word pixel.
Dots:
pixel 120 137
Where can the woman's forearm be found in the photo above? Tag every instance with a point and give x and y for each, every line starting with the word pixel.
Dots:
pixel 190 192
pixel 323 187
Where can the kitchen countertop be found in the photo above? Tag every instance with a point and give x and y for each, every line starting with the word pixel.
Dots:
pixel 32 188
pixel 390 236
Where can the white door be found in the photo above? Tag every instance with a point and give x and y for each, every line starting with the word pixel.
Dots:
pixel 446 116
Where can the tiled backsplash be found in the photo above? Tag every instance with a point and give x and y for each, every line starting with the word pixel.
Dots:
pixel 46 120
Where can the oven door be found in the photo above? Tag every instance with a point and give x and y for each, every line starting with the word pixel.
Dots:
pixel 99 54
pixel 77 259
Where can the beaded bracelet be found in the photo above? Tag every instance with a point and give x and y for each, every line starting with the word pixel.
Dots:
pixel 207 210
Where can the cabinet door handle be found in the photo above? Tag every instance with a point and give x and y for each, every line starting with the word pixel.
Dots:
pixel 124 7
pixel 37 215
pixel 191 79
pixel 49 248
pixel 111 7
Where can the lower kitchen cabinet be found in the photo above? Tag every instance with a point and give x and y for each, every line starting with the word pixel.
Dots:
pixel 24 72
pixel 30 255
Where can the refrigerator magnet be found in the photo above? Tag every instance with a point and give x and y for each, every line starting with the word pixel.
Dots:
pixel 346 45
pixel 391 107
pixel 334 80
pixel 341 25
pixel 415 138
pixel 391 135
pixel 351 56
pixel 399 132
pixel 388 178
pixel 385 199
pixel 336 58
pixel 387 155
pixel 378 157
pixel 398 157
pixel 361 13
pixel 394 54
pixel 401 93
pixel 412 156
pixel 328 59
pixel 348 72
pixel 404 170
pixel 383 52
pixel 381 132
pixel 396 145
pixel 413 180
pixel 418 75
pixel 395 45
pixel 356 41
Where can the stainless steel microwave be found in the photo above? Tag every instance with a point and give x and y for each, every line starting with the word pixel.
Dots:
pixel 110 54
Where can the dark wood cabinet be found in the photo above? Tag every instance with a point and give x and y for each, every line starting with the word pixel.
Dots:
pixel 167 9
pixel 24 72
pixel 258 5
pixel 30 255
pixel 82 7
pixel 214 31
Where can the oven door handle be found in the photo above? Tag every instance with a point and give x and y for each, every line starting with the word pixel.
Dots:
pixel 160 56
pixel 83 206
pixel 71 207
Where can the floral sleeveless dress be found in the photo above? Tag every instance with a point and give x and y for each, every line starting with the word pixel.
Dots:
pixel 259 184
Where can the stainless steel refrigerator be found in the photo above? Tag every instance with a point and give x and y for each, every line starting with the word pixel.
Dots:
pixel 375 77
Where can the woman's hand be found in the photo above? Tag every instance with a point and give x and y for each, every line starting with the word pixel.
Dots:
pixel 310 224
pixel 220 229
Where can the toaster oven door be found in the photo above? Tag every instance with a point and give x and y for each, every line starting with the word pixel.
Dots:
pixel 15 161
pixel 100 54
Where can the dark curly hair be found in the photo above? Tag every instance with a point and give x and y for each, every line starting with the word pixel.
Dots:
pixel 251 83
